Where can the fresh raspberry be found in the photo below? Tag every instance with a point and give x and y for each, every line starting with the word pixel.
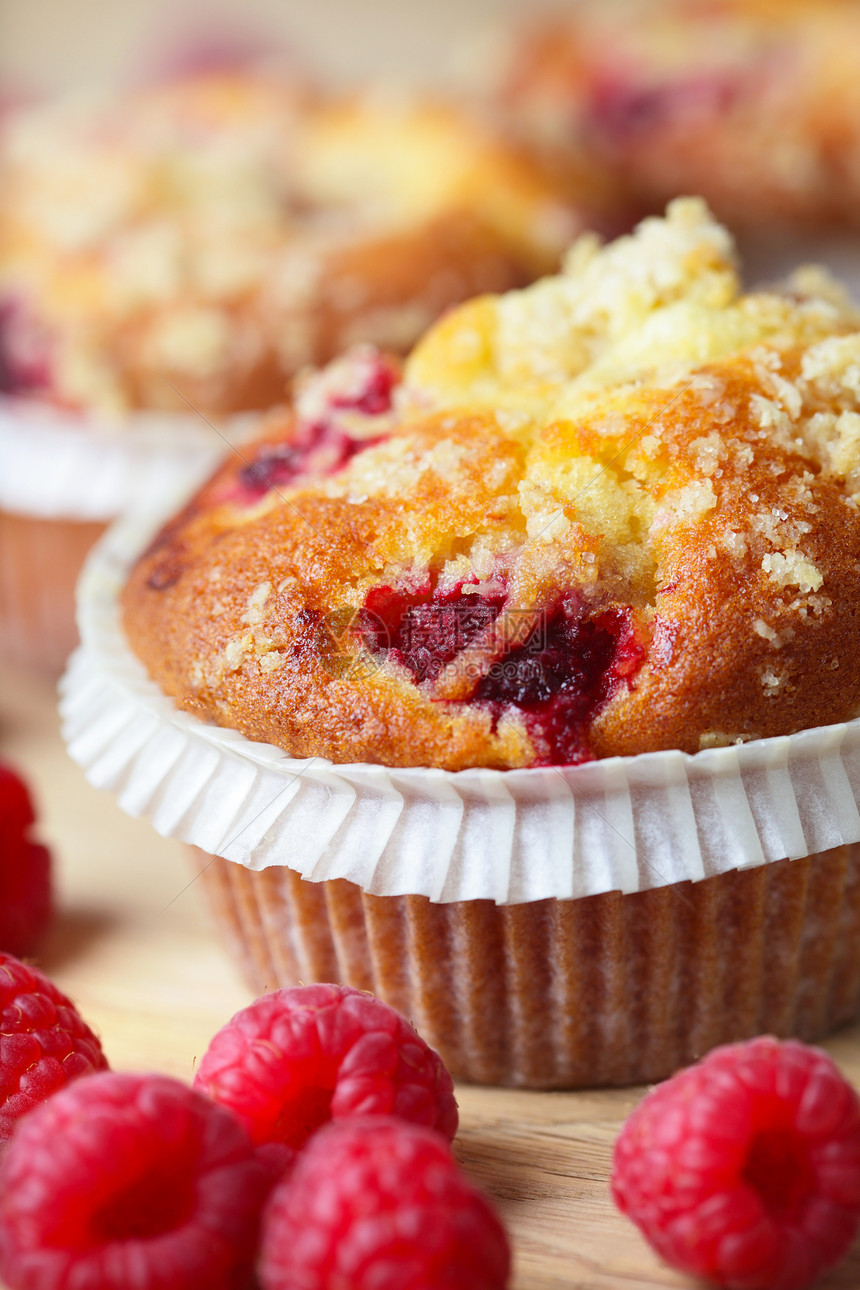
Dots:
pixel 376 1204
pixel 745 1169
pixel 44 1042
pixel 130 1181
pixel 25 869
pixel 297 1058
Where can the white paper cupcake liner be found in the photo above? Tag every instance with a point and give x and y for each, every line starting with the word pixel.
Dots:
pixel 57 464
pixel 622 824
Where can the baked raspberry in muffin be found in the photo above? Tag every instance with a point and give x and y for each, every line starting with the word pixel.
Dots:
pixel 750 103
pixel 613 513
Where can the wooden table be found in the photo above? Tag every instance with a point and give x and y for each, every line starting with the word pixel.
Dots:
pixel 133 946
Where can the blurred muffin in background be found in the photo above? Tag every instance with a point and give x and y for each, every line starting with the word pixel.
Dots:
pixel 752 104
pixel 188 248
pixel 217 234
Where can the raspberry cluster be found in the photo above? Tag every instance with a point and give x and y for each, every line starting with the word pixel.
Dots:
pixel 313 1153
pixel 321 1099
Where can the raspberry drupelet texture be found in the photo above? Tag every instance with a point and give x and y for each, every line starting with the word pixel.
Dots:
pixel 745 1169
pixel 44 1042
pixel 376 1204
pixel 297 1058
pixel 25 869
pixel 130 1181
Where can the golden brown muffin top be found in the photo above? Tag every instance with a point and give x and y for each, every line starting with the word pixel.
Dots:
pixel 611 513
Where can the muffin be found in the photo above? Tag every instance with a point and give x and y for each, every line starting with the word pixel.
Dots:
pixel 556 630
pixel 750 103
pixel 188 248
pixel 611 514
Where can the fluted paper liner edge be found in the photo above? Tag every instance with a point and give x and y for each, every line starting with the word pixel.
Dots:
pixel 58 464
pixel 622 824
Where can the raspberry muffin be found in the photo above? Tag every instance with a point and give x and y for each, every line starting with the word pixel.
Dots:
pixel 556 628
pixel 187 249
pixel 750 103
pixel 611 514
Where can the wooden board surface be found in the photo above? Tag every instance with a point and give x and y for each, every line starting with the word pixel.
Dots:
pixel 132 944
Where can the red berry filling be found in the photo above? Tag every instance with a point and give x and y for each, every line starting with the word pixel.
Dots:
pixel 624 108
pixel 25 358
pixel 44 1042
pixel 297 1058
pixel 201 55
pixel 423 630
pixel 276 465
pixel 367 385
pixel 375 1204
pixel 318 450
pixel 745 1169
pixel 130 1180
pixel 359 385
pixel 562 676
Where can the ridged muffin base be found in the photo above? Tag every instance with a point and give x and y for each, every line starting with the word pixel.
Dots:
pixel 609 989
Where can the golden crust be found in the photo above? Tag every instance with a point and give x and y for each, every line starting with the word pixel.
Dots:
pixel 202 243
pixel 612 513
